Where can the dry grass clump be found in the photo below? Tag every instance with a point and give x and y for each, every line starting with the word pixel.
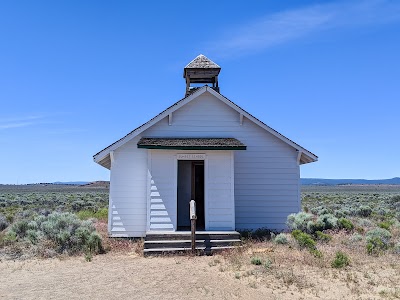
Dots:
pixel 344 263
pixel 118 245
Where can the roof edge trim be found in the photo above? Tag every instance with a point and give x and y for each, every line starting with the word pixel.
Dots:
pixel 275 133
pixel 99 156
pixel 310 157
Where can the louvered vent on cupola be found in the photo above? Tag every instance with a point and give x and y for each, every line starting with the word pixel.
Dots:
pixel 200 71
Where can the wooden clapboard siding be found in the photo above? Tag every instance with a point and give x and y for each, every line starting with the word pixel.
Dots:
pixel 128 190
pixel 219 201
pixel 266 175
pixel 220 205
pixel 163 191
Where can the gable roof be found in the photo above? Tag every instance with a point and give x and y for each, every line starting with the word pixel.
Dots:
pixel 305 156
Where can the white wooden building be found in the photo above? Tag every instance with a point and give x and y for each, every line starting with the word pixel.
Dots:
pixel 242 173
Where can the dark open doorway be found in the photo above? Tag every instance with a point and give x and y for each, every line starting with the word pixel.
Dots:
pixel 190 186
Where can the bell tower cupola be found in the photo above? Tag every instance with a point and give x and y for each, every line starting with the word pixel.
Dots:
pixel 200 71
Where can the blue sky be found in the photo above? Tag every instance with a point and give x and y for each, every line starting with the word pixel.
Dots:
pixel 77 75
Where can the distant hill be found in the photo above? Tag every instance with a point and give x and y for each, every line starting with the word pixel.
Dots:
pixel 71 182
pixel 105 184
pixel 320 181
pixel 304 181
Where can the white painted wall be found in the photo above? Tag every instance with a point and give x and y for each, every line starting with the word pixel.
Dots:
pixel 219 201
pixel 163 196
pixel 266 175
pixel 128 191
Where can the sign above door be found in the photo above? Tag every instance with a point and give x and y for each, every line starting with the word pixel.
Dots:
pixel 191 156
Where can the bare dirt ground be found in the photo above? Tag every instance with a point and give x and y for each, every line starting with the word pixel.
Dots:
pixel 128 275
pixel 119 277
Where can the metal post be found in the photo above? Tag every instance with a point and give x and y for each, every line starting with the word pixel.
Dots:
pixel 193 218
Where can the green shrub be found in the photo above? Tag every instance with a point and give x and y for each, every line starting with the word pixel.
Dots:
pixel 342 213
pixel 3 222
pixel 298 221
pixel 364 211
pixel 385 225
pixel 20 228
pixel 85 214
pixel 101 214
pixel 83 205
pixel 365 223
pixel 88 257
pixel 2 242
pixel 360 230
pixel 396 248
pixel 10 237
pixel 375 246
pixel 341 260
pixel 356 237
pixel 303 239
pixel 245 234
pixel 33 225
pixel 380 233
pixel 256 261
pixel 261 233
pixel 64 231
pixel 313 226
pixel 321 210
pixel 329 221
pixel 258 234
pixel 344 223
pixel 316 253
pixel 281 239
pixel 32 236
pixel 10 218
pixel 296 233
pixel 94 243
pixel 323 236
pixel 378 240
pixel 395 200
pixel 267 264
